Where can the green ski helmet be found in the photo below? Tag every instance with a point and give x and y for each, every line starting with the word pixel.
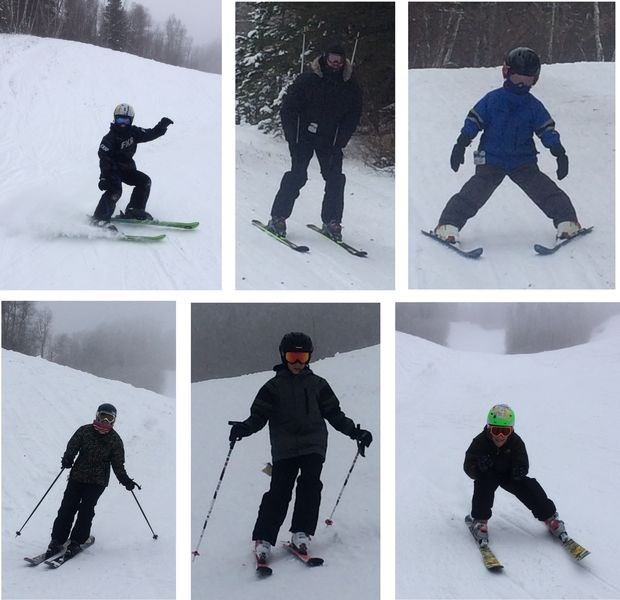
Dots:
pixel 501 415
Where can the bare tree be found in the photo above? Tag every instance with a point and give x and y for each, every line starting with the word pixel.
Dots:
pixel 43 327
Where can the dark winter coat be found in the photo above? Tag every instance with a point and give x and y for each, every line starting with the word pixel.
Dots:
pixel 332 101
pixel 513 453
pixel 509 121
pixel 296 407
pixel 95 453
pixel 119 145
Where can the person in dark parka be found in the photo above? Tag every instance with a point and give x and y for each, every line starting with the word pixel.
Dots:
pixel 97 447
pixel 509 117
pixel 295 403
pixel 117 166
pixel 497 457
pixel 320 112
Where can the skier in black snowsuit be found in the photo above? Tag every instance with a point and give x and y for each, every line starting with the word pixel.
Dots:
pixel 97 447
pixel 320 112
pixel 295 403
pixel 497 457
pixel 117 166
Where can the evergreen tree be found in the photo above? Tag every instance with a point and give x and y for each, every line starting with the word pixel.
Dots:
pixel 114 26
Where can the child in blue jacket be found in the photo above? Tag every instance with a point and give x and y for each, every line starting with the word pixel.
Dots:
pixel 508 118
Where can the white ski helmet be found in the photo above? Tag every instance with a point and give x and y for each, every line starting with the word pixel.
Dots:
pixel 125 112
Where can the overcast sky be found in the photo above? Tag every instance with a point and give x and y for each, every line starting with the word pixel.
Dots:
pixel 203 18
pixel 70 317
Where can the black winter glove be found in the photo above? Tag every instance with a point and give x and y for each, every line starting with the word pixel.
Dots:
pixel 484 463
pixel 363 439
pixel 166 122
pixel 457 158
pixel 106 183
pixel 66 463
pixel 558 151
pixel 130 484
pixel 238 431
pixel 518 472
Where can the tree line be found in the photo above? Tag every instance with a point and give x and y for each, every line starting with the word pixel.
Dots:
pixel 478 34
pixel 138 353
pixel 269 40
pixel 108 23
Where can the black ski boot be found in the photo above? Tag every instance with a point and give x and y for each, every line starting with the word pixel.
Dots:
pixel 72 549
pixel 136 213
pixel 54 548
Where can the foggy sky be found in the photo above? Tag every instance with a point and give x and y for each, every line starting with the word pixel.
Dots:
pixel 202 18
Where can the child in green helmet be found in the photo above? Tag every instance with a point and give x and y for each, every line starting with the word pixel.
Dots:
pixel 497 457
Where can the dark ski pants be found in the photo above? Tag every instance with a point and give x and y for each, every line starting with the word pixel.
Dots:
pixel 527 490
pixel 273 508
pixel 79 498
pixel 330 162
pixel 139 196
pixel 538 187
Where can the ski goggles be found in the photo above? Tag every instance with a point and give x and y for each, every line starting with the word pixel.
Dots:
pixel 335 61
pixel 498 430
pixel 293 357
pixel 122 120
pixel 103 417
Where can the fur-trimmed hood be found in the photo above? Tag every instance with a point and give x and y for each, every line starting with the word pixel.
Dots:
pixel 347 71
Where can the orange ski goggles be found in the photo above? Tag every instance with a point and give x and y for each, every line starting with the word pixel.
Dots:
pixel 300 357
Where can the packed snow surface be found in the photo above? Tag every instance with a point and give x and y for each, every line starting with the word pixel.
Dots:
pixel 566 412
pixel 42 406
pixel 350 547
pixel 57 99
pixel 368 223
pixel 580 98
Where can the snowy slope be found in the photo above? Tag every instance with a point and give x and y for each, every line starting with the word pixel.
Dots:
pixel 57 99
pixel 580 98
pixel 42 406
pixel 567 413
pixel 225 568
pixel 368 223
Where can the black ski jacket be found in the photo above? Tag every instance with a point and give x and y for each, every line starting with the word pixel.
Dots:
pixel 332 102
pixel 95 453
pixel 119 145
pixel 296 407
pixel 513 453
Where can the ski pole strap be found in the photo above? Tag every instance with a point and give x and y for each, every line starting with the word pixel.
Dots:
pixel 142 511
pixel 344 485
pixel 37 506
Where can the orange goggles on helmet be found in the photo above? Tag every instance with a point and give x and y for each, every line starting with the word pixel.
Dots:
pixel 293 357
pixel 498 430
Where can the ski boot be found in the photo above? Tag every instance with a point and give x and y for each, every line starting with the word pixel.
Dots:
pixel 54 548
pixel 262 549
pixel 567 229
pixel 72 549
pixel 136 213
pixel 333 229
pixel 555 525
pixel 301 542
pixel 447 233
pixel 480 531
pixel 277 225
pixel 102 223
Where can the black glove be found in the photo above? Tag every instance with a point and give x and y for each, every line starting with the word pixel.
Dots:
pixel 560 155
pixel 106 183
pixel 66 463
pixel 165 122
pixel 484 463
pixel 237 431
pixel 363 439
pixel 518 472
pixel 130 484
pixel 457 158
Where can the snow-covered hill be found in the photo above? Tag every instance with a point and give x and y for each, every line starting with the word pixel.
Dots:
pixel 567 414
pixel 368 223
pixel 225 568
pixel 57 99
pixel 580 98
pixel 42 406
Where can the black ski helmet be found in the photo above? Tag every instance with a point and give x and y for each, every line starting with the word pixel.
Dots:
pixel 522 61
pixel 295 341
pixel 109 409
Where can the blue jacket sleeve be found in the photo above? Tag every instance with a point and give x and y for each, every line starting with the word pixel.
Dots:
pixel 544 126
pixel 476 119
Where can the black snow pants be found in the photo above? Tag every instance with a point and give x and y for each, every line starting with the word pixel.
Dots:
pixel 539 187
pixel 79 498
pixel 139 196
pixel 274 505
pixel 330 162
pixel 527 490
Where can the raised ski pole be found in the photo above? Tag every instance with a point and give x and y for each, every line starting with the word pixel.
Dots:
pixel 195 553
pixel 329 521
pixel 301 70
pixel 37 506
pixel 155 536
pixel 357 37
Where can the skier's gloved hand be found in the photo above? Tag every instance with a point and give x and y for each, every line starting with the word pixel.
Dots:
pixel 558 151
pixel 165 122
pixel 238 431
pixel 66 463
pixel 457 158
pixel 363 439
pixel 130 484
pixel 518 472
pixel 484 463
pixel 107 183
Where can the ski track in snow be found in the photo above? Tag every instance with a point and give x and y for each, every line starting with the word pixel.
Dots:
pixel 60 96
pixel 579 97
